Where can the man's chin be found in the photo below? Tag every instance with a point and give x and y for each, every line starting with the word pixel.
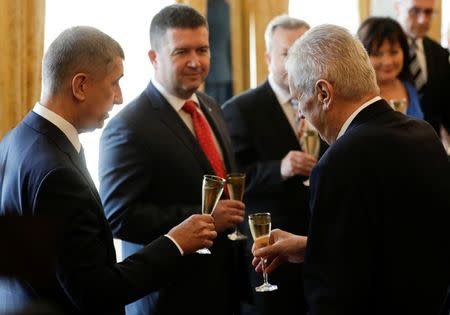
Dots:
pixel 84 129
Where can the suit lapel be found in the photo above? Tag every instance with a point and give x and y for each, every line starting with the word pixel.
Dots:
pixel 62 142
pixel 170 118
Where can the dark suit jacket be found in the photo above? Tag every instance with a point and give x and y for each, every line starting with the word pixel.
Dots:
pixel 42 175
pixel 262 136
pixel 379 236
pixel 151 171
pixel 434 97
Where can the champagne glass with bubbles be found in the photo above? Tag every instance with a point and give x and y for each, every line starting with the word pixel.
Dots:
pixel 260 225
pixel 236 187
pixel 212 189
pixel 310 142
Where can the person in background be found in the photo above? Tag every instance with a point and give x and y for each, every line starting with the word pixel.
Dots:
pixel 43 176
pixel 387 46
pixel 153 156
pixel 429 64
pixel 263 124
pixel 378 237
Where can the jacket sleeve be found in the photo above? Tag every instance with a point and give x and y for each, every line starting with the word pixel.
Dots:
pixel 85 261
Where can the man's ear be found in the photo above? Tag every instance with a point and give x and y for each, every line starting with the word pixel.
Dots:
pixel 152 56
pixel 267 57
pixel 79 86
pixel 324 92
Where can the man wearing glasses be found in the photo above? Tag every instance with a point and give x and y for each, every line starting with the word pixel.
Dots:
pixel 429 61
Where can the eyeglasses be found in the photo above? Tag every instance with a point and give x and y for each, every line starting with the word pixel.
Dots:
pixel 415 11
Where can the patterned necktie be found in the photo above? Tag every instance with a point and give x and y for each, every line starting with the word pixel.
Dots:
pixel 205 138
pixel 416 70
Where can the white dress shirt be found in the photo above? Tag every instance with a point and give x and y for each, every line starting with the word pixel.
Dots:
pixel 67 128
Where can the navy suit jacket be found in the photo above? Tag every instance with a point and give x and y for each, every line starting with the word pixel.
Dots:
pixel 379 236
pixel 434 97
pixel 41 175
pixel 151 171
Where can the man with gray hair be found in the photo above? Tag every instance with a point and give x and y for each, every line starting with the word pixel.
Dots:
pixel 43 177
pixel 263 127
pixel 378 240
pixel 429 62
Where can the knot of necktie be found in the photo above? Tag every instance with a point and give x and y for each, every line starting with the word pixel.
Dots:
pixel 190 107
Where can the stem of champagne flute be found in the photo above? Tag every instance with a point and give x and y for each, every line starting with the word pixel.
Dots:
pixel 265 276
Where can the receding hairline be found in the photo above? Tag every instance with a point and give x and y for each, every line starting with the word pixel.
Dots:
pixel 285 22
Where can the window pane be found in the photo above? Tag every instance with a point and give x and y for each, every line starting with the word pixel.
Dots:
pixel 344 13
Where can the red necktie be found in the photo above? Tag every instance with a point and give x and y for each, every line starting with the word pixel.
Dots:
pixel 205 138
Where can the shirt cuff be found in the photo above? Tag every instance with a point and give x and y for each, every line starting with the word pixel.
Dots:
pixel 175 242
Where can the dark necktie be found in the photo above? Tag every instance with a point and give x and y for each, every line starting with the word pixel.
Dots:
pixel 82 157
pixel 205 138
pixel 414 65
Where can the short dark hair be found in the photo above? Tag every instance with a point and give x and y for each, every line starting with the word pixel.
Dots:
pixel 77 49
pixel 174 16
pixel 375 30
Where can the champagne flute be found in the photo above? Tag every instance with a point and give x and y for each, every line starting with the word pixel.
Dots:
pixel 260 226
pixel 211 191
pixel 310 142
pixel 399 105
pixel 236 186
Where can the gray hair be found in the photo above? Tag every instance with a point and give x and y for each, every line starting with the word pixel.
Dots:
pixel 282 21
pixel 77 49
pixel 174 16
pixel 331 53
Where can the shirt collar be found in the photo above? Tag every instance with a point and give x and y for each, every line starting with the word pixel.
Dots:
pixel 281 94
pixel 353 115
pixel 174 101
pixel 67 128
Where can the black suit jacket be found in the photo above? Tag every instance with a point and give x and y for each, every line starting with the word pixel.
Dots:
pixel 151 171
pixel 434 97
pixel 262 136
pixel 42 175
pixel 379 236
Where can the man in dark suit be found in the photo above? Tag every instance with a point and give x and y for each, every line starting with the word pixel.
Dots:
pixel 43 175
pixel 152 161
pixel 378 241
pixel 432 76
pixel 263 128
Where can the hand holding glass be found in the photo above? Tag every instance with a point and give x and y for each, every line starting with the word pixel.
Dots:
pixel 236 187
pixel 211 191
pixel 260 226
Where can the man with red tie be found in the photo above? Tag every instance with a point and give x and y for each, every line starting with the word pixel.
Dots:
pixel 153 156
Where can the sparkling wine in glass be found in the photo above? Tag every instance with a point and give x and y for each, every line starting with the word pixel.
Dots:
pixel 399 105
pixel 236 187
pixel 212 189
pixel 260 226
pixel 310 142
